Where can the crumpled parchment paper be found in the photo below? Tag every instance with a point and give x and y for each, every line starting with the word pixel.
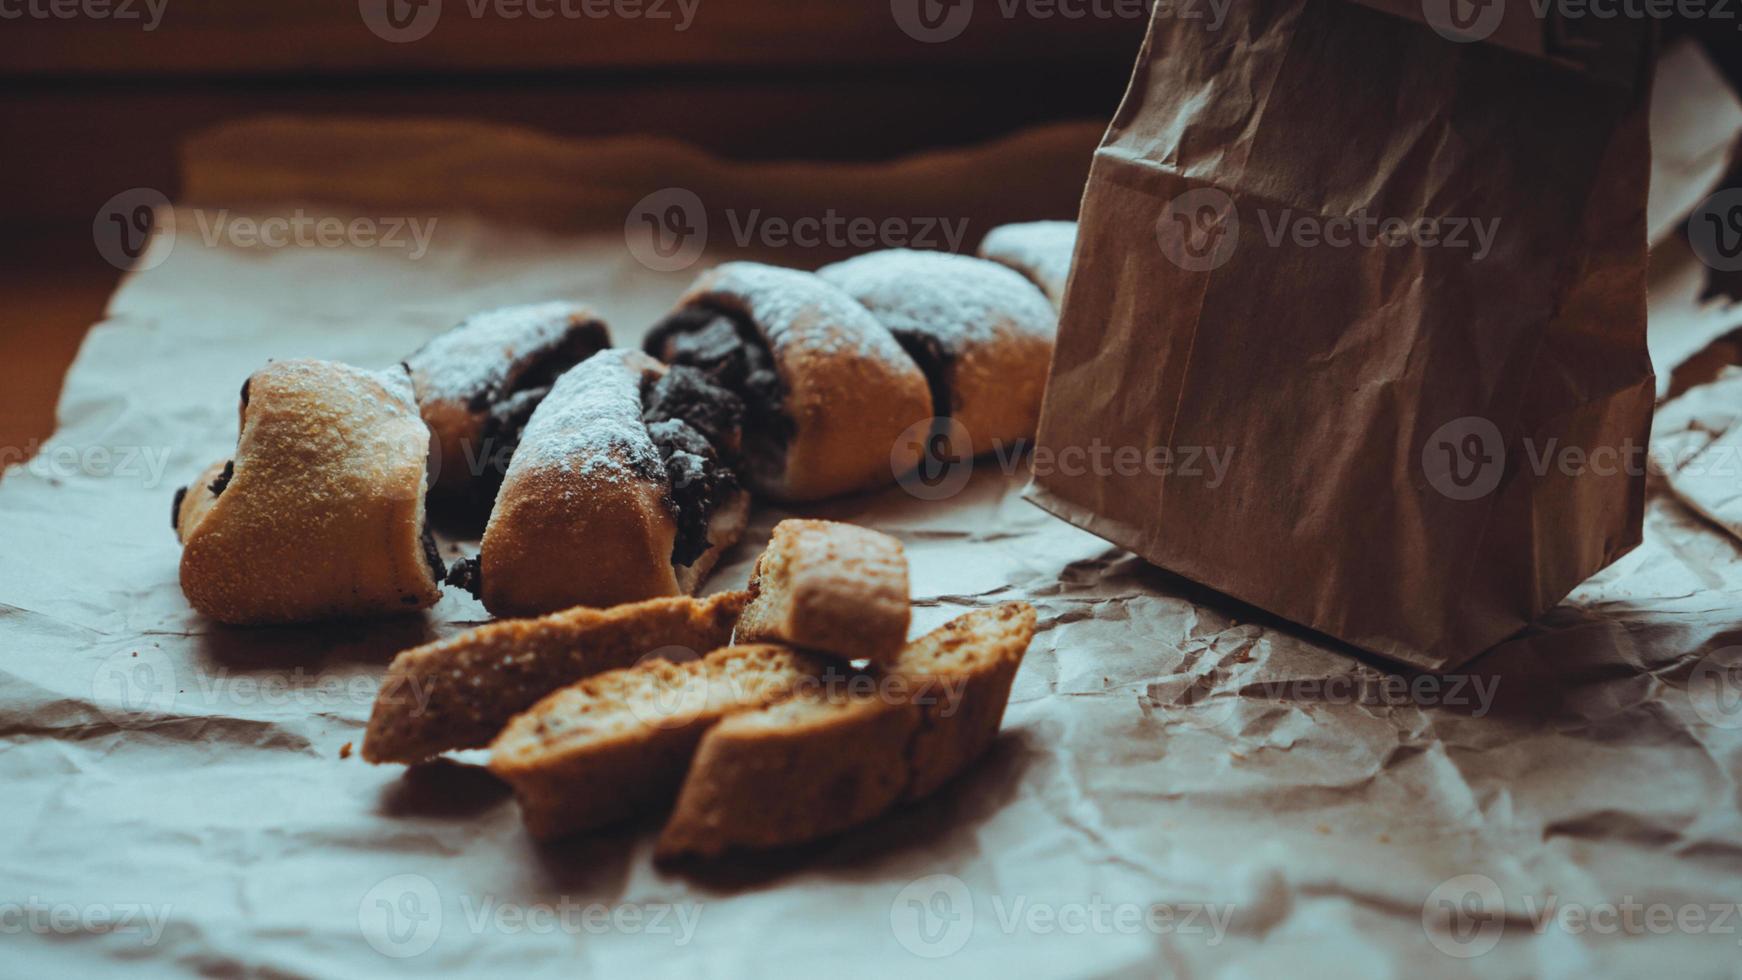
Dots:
pixel 1184 787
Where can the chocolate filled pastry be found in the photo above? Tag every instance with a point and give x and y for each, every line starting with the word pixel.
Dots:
pixel 622 489
pixel 827 391
pixel 320 515
pixel 1040 250
pixel 982 334
pixel 477 386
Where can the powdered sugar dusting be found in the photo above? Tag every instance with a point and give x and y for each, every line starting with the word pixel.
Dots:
pixel 1040 250
pixel 590 424
pixel 790 305
pixel 480 353
pixel 958 300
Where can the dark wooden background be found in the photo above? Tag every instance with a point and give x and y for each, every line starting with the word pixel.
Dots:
pixel 91 107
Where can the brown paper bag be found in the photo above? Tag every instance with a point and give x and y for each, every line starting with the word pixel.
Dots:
pixel 1356 327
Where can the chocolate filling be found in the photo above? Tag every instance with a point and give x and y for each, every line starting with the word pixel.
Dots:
pixel 222 483
pixel 175 509
pixel 508 405
pixel 500 436
pixel 541 367
pixel 934 360
pixel 726 347
pixel 432 555
pixel 468 575
pixel 694 423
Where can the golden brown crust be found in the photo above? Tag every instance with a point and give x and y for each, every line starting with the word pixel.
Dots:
pixel 983 333
pixel 798 770
pixel 822 762
pixel 323 516
pixel 851 391
pixel 462 373
pixel 830 587
pixel 459 692
pixel 619 743
pixel 582 518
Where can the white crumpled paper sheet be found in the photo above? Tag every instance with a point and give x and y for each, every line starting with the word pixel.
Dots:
pixel 1184 787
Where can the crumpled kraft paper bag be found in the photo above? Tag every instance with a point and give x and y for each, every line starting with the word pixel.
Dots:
pixel 1415 437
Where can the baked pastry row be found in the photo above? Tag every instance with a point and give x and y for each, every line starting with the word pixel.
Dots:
pixel 609 475
pixel 798 386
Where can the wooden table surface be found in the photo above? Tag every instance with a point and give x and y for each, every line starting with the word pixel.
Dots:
pixel 89 109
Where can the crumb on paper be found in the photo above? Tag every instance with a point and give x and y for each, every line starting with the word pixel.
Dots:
pixel 345 751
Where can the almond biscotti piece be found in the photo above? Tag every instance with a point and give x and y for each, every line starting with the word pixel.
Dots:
pixel 618 744
pixel 458 693
pixel 831 587
pixel 832 758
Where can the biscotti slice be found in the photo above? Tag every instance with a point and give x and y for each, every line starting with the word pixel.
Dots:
pixel 830 587
pixel 618 744
pixel 829 759
pixel 458 693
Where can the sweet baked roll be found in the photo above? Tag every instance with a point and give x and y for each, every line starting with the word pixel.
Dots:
pixel 320 514
pixel 1040 250
pixel 982 334
pixel 827 390
pixel 622 489
pixel 478 384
